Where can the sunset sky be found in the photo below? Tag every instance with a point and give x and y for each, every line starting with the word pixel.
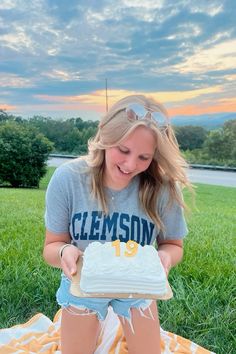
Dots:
pixel 55 55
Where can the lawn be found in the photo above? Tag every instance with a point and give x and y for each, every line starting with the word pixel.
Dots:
pixel 204 285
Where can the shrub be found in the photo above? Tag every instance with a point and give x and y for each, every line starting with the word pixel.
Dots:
pixel 23 154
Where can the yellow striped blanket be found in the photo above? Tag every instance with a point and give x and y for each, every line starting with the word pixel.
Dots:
pixel 41 335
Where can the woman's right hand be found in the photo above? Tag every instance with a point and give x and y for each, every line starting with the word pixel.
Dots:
pixel 70 254
pixel 69 259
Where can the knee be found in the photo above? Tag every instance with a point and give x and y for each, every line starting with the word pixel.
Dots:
pixel 79 347
pixel 77 351
pixel 79 332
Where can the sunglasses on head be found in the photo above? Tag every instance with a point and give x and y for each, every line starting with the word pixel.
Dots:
pixel 137 111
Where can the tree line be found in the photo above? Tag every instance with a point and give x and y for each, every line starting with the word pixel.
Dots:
pixel 25 144
pixel 215 147
pixel 68 136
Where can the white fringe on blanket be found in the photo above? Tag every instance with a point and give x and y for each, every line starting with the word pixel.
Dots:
pixel 41 335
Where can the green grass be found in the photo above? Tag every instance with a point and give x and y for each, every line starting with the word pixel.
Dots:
pixel 204 284
pixel 203 306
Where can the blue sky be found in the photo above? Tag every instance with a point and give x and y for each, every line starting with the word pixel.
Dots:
pixel 56 55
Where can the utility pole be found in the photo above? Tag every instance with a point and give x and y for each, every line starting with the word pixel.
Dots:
pixel 106 98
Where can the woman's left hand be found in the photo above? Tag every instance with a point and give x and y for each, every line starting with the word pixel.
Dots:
pixel 165 260
pixel 170 253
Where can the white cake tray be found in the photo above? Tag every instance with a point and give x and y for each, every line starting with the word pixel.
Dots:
pixel 76 291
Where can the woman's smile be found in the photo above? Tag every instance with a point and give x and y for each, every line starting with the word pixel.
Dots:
pixel 132 156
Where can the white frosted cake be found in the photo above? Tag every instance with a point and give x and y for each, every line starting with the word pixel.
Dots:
pixel 119 267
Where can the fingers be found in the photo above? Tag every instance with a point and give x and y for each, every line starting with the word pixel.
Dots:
pixel 69 260
pixel 165 260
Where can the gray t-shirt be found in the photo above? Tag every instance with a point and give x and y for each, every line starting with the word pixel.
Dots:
pixel 70 207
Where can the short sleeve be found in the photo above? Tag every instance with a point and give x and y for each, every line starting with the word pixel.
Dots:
pixel 172 217
pixel 57 203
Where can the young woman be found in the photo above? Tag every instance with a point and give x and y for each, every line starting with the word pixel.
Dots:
pixel 127 187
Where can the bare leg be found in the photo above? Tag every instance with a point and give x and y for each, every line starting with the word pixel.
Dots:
pixel 79 331
pixel 146 335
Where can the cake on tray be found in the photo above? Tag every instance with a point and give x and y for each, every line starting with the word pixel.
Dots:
pixel 119 267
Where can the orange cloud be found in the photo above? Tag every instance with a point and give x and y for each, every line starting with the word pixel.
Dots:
pixel 96 101
pixel 98 98
pixel 7 107
pixel 221 56
pixel 224 105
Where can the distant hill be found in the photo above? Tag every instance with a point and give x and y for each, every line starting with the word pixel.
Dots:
pixel 207 121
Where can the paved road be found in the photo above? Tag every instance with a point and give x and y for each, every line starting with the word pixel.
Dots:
pixel 57 161
pixel 220 178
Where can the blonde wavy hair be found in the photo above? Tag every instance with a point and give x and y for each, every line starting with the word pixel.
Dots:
pixel 167 167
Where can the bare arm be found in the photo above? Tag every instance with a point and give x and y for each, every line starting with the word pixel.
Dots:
pixel 170 252
pixel 52 246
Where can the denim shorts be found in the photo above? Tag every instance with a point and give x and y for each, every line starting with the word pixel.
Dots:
pixel 98 305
